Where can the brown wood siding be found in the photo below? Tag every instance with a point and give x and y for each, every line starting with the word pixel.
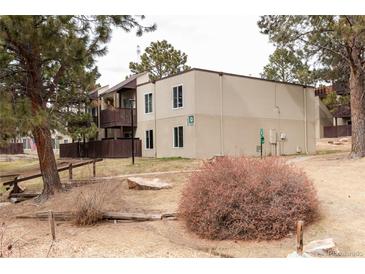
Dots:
pixel 108 148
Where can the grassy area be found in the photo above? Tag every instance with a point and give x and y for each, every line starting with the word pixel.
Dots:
pixel 18 166
pixel 113 167
pixel 108 167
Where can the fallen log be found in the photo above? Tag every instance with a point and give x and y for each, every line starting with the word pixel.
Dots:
pixel 20 197
pixel 139 183
pixel 43 216
pixel 17 200
pixel 132 216
pixel 24 195
pixel 69 215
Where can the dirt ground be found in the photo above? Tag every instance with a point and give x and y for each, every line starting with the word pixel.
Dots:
pixel 339 182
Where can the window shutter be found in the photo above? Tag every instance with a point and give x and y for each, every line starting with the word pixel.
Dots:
pixel 181 137
pixel 150 102
pixel 174 97
pixel 180 104
pixel 151 138
pixel 146 103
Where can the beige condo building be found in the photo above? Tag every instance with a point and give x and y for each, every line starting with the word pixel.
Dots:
pixel 200 113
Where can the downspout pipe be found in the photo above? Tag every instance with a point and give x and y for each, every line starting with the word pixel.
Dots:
pixel 99 111
pixel 221 113
pixel 305 120
pixel 154 98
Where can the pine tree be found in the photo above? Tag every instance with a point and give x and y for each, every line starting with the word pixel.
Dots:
pixel 160 59
pixel 47 67
pixel 284 65
pixel 325 38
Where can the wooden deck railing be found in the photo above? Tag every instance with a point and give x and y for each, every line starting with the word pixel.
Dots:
pixel 117 117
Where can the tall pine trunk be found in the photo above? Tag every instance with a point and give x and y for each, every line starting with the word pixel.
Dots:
pixel 47 162
pixel 42 136
pixel 357 93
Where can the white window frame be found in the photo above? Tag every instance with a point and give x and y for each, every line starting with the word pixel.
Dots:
pixel 183 97
pixel 173 137
pixel 153 145
pixel 144 101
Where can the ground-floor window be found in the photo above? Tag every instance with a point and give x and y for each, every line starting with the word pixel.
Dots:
pixel 149 139
pixel 178 136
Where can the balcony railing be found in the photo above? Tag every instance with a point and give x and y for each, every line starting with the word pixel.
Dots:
pixel 117 117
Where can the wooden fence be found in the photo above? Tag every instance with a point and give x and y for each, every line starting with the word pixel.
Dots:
pixel 17 178
pixel 12 148
pixel 108 148
pixel 336 131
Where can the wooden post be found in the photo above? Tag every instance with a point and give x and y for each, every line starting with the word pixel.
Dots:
pixel 16 188
pixel 94 168
pixel 300 237
pixel 52 224
pixel 132 125
pixel 70 171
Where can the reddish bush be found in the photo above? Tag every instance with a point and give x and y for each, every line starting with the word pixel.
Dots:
pixel 247 198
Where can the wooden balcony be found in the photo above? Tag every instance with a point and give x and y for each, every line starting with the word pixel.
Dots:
pixel 117 117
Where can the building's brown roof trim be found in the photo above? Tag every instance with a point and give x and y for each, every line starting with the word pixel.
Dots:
pixel 163 78
pixel 130 82
pixel 93 95
pixel 145 83
pixel 228 74
pixel 252 77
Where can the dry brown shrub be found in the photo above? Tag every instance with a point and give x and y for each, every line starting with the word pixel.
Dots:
pixel 247 198
pixel 89 206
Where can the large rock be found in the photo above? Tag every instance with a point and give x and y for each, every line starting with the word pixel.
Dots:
pixel 139 183
pixel 321 247
pixel 318 248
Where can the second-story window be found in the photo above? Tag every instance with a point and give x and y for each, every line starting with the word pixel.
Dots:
pixel 177 97
pixel 148 103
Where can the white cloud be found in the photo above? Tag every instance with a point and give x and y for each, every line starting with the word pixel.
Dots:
pixel 229 43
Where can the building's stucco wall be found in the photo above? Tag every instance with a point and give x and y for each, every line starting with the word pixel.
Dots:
pixel 322 117
pixel 146 121
pixel 58 138
pixel 143 78
pixel 164 118
pixel 246 106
